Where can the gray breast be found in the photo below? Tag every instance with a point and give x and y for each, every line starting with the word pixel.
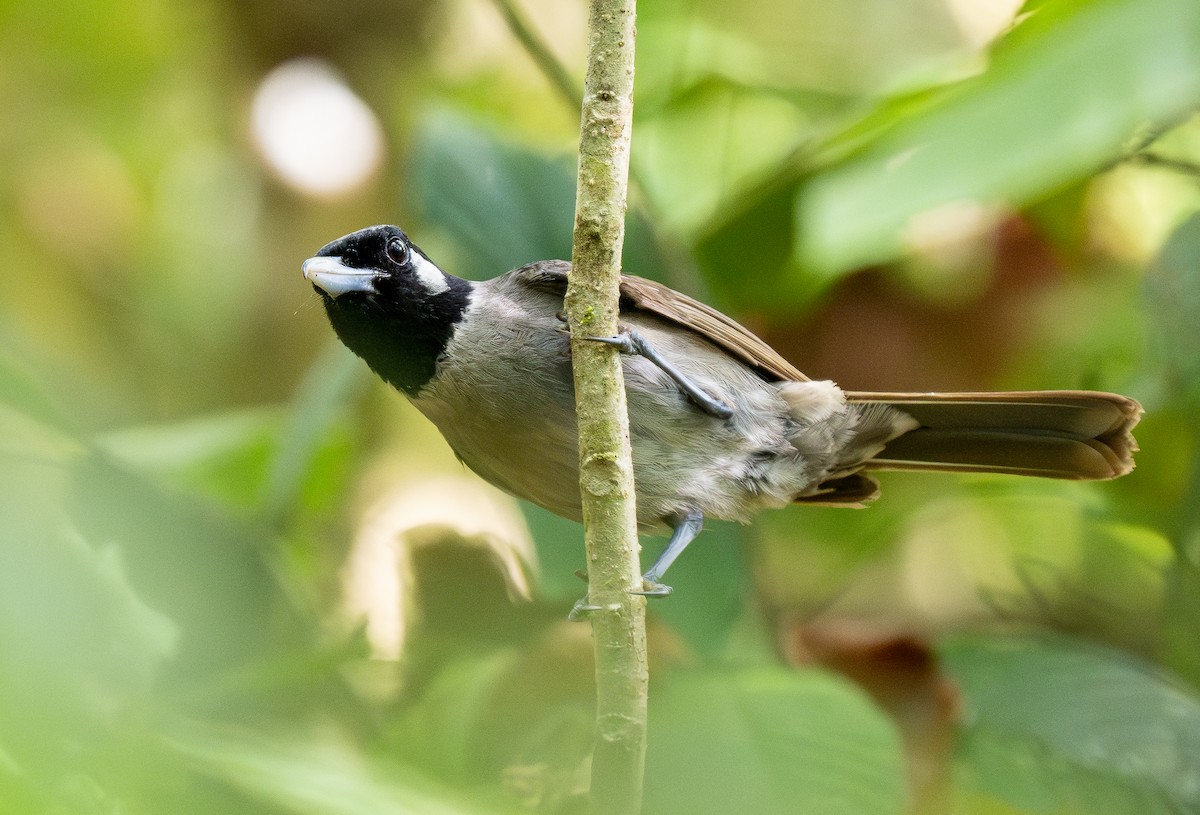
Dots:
pixel 503 399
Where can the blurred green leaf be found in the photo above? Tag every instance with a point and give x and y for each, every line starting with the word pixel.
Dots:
pixel 1010 773
pixel 1062 95
pixel 76 617
pixel 708 143
pixel 805 46
pixel 1181 607
pixel 1024 550
pixel 16 792
pixel 204 569
pixel 259 459
pixel 504 205
pixel 224 455
pixel 489 714
pixel 1173 299
pixel 1055 725
pixel 560 553
pixel 21 391
pixel 747 254
pixel 81 644
pixel 322 774
pixel 447 719
pixel 767 741
pixel 333 380
pixel 757 229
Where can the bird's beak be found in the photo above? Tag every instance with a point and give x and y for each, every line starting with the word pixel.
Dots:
pixel 335 278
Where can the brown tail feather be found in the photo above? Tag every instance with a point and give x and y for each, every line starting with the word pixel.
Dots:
pixel 854 490
pixel 1051 434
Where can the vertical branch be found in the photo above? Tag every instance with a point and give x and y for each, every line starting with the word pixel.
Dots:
pixel 606 470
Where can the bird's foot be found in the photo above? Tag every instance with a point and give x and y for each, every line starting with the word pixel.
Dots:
pixel 623 342
pixel 583 609
pixel 652 588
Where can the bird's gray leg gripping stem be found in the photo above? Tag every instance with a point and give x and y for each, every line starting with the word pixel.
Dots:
pixel 631 342
pixel 686 528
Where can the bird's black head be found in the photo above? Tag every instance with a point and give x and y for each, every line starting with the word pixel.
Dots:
pixel 388 302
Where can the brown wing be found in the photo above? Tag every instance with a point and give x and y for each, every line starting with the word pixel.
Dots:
pixel 655 298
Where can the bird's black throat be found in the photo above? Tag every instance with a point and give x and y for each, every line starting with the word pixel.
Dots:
pixel 400 341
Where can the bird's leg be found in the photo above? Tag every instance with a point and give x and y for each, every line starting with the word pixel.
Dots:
pixel 631 342
pixel 686 528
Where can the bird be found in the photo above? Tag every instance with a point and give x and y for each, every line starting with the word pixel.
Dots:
pixel 720 424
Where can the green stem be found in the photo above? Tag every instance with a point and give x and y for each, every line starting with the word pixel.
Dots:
pixel 549 64
pixel 1167 163
pixel 605 460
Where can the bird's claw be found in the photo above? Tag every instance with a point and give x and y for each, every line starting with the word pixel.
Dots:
pixel 584 608
pixel 652 588
pixel 623 342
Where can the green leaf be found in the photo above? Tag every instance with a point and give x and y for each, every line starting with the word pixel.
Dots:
pixel 1055 725
pixel 202 568
pixel 710 141
pixel 258 459
pixel 758 233
pixel 21 391
pixel 504 205
pixel 313 775
pixel 560 554
pixel 527 711
pixel 224 454
pixel 767 741
pixel 335 377
pixel 1173 299
pixel 79 640
pixel 444 726
pixel 1064 92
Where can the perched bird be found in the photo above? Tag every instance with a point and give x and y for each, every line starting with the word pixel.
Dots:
pixel 721 425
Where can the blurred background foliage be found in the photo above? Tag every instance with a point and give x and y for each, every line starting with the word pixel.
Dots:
pixel 239 575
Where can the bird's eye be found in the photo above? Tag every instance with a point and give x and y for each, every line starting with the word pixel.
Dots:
pixel 397 251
